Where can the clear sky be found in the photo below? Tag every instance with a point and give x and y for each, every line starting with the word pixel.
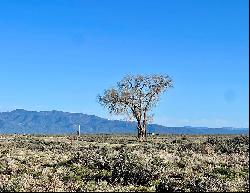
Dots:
pixel 58 54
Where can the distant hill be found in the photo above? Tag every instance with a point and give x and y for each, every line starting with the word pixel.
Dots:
pixel 57 122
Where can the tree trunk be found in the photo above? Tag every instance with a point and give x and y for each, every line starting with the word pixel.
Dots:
pixel 145 125
pixel 142 133
pixel 142 126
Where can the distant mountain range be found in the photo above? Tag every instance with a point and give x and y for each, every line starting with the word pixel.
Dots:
pixel 57 122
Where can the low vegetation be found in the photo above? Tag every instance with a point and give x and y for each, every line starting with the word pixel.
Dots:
pixel 120 163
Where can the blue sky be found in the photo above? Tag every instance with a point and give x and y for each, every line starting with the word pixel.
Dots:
pixel 57 54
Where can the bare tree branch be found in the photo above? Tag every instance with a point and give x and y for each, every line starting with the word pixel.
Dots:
pixel 135 96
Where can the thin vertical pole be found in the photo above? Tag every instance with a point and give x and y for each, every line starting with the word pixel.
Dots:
pixel 79 131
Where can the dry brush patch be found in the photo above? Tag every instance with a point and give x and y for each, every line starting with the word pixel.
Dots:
pixel 119 163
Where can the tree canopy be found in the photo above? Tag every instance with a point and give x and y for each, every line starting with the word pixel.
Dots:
pixel 135 96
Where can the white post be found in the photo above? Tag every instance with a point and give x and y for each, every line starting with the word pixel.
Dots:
pixel 79 131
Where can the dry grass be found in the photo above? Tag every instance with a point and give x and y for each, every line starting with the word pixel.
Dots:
pixel 119 163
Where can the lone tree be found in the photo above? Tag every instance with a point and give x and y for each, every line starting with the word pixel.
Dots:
pixel 135 96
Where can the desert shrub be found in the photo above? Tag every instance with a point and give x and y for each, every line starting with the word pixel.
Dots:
pixel 108 163
pixel 190 183
pixel 238 144
pixel 129 169
pixel 171 183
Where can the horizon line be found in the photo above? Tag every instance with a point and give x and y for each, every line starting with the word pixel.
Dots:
pixel 184 126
